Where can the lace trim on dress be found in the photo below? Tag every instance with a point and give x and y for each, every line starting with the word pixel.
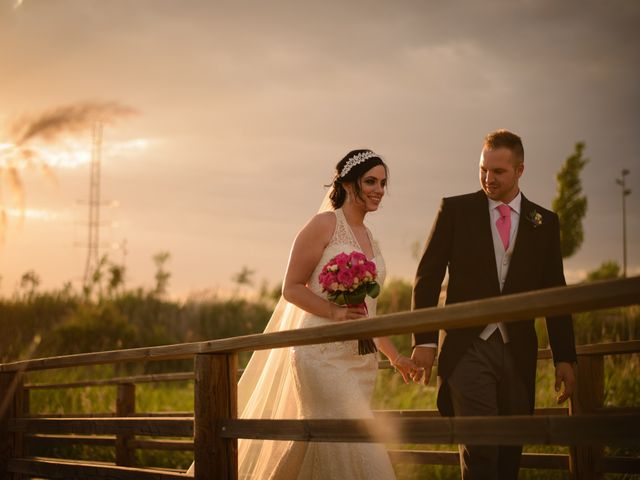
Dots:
pixel 344 235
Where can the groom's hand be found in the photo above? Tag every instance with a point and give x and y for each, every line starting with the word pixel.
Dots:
pixel 423 357
pixel 565 374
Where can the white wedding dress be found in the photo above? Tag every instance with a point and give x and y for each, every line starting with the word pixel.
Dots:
pixel 323 381
pixel 333 381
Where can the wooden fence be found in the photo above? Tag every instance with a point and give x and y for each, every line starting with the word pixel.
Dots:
pixel 586 426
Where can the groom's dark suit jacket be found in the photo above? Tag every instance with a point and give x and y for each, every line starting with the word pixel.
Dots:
pixel 461 242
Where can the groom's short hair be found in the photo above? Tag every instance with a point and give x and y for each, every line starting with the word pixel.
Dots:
pixel 505 139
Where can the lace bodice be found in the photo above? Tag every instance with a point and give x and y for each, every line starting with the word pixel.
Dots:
pixel 344 241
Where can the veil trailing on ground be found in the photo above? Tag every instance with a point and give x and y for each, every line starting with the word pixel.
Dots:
pixel 266 390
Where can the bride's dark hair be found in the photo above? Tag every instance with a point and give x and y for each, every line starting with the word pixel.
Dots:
pixel 338 194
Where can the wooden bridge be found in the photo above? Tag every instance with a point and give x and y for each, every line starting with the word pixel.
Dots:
pixel 213 429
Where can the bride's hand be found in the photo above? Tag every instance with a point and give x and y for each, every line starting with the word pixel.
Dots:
pixel 405 366
pixel 341 313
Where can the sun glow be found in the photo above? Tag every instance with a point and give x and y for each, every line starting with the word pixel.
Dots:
pixel 70 153
pixel 37 214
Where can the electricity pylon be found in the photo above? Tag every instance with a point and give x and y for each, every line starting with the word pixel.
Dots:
pixel 93 244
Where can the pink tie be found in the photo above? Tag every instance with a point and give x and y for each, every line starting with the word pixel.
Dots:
pixel 504 224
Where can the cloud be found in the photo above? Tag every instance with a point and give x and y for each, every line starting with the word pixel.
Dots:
pixel 256 101
pixel 67 119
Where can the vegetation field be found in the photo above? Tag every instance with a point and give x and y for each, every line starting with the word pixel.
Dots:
pixel 54 323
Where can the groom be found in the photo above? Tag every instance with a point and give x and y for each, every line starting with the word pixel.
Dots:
pixel 493 242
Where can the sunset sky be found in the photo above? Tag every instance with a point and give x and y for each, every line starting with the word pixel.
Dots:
pixel 242 109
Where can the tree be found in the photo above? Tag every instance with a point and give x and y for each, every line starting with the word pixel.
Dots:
pixel 608 269
pixel 116 278
pixel 570 204
pixel 29 283
pixel 244 276
pixel 96 279
pixel 162 276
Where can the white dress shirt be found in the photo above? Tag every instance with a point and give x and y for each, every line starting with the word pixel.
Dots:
pixel 503 257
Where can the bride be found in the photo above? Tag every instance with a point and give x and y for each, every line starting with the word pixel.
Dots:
pixel 324 380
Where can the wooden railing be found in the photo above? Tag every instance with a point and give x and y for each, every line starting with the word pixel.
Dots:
pixel 586 427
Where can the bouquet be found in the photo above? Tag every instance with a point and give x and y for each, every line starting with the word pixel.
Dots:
pixel 348 279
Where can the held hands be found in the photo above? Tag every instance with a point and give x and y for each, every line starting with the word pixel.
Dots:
pixel 423 357
pixel 405 366
pixel 566 375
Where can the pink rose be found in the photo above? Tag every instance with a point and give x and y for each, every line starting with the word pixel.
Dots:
pixel 341 259
pixel 371 268
pixel 360 271
pixel 327 279
pixel 345 277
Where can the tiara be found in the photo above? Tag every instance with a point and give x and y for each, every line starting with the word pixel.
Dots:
pixel 356 160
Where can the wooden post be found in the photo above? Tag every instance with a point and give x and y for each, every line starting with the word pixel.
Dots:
pixel 125 406
pixel 26 402
pixel 587 399
pixel 26 412
pixel 215 399
pixel 11 406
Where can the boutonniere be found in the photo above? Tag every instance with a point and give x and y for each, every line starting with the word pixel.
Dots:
pixel 535 218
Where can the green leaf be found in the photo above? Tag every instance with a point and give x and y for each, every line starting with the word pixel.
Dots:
pixel 338 297
pixel 356 297
pixel 373 289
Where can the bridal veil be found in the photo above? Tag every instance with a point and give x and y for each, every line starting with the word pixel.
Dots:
pixel 266 391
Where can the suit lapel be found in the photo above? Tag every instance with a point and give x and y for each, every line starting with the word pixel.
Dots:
pixel 484 238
